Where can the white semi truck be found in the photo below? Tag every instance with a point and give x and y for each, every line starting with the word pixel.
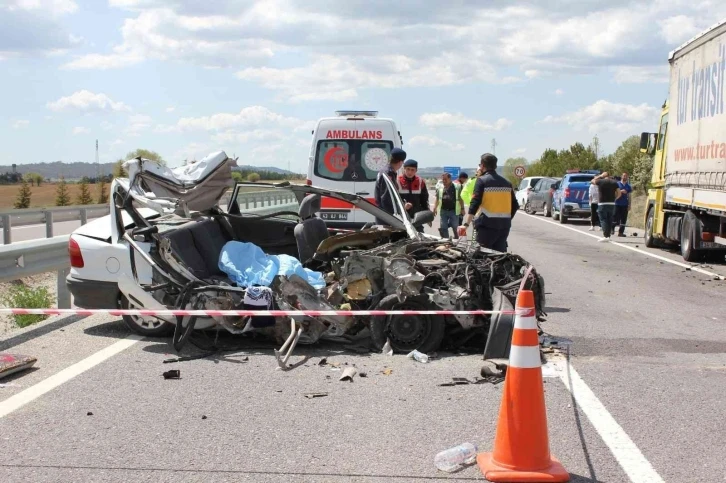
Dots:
pixel 687 198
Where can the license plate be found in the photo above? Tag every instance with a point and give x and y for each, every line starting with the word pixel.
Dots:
pixel 334 215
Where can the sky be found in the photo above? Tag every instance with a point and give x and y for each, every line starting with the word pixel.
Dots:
pixel 186 78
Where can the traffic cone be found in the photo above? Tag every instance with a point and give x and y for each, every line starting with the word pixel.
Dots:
pixel 521 447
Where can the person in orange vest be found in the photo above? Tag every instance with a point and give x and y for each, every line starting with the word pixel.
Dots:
pixel 412 189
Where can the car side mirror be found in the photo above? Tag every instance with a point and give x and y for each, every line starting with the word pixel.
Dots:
pixel 423 217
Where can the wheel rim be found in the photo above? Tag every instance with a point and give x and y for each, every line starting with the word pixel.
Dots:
pixel 145 323
pixel 649 226
pixel 408 332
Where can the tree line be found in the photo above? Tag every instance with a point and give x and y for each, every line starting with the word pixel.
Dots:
pixel 627 158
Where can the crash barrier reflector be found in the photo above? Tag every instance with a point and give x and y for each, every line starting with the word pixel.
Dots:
pixel 521 445
pixel 245 313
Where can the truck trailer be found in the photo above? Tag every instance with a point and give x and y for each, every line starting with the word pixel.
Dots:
pixel 687 195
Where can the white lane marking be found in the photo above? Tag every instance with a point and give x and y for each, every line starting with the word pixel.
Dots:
pixel 34 392
pixel 638 469
pixel 652 255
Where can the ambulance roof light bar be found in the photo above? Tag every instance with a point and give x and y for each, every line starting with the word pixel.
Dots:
pixel 356 113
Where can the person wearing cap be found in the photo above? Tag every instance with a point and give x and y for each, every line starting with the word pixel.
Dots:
pixel 493 204
pixel 412 189
pixel 381 193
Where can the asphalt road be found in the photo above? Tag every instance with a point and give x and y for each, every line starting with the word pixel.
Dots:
pixel 648 339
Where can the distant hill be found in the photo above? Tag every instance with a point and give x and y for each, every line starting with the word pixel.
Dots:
pixel 55 170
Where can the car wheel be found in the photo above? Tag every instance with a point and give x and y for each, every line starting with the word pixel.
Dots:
pixel 688 238
pixel 407 332
pixel 149 327
pixel 563 219
pixel 528 208
pixel 546 210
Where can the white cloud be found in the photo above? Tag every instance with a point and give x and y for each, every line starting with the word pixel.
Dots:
pixel 86 101
pixel 21 124
pixel 608 116
pixel 170 109
pixel 520 151
pixel 627 74
pixel 461 122
pixel 559 92
pixel 81 130
pixel 138 124
pixel 253 122
pixel 34 27
pixel 677 29
pixel 435 141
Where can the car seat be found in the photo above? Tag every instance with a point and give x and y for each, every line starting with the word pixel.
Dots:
pixel 311 230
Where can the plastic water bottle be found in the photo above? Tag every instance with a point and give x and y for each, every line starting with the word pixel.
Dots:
pixel 454 458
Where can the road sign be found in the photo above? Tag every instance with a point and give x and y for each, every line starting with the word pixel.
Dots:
pixel 519 171
pixel 453 170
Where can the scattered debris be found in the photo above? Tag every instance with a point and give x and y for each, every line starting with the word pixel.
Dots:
pixel 387 372
pixel 490 369
pixel 387 349
pixel 453 459
pixel 323 361
pixel 204 417
pixel 363 374
pixel 89 413
pixel 12 363
pixel 635 234
pixel 173 374
pixel 462 381
pixel 418 356
pixel 312 395
pixel 348 374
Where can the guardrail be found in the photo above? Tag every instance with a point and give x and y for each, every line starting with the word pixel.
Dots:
pixel 29 216
pixel 32 257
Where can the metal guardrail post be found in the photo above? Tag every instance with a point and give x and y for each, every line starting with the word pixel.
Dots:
pixel 84 216
pixel 64 296
pixel 7 230
pixel 48 224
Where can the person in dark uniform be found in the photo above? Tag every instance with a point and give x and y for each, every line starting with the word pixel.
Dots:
pixel 494 203
pixel 381 193
pixel 412 189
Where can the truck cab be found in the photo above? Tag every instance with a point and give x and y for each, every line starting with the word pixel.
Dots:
pixel 571 198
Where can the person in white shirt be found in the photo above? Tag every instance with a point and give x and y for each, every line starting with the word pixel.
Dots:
pixel 594 199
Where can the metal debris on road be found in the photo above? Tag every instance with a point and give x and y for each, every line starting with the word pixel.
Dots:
pixel 312 395
pixel 387 349
pixel 12 363
pixel 173 374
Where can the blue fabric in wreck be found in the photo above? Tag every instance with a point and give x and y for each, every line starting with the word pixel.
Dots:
pixel 246 264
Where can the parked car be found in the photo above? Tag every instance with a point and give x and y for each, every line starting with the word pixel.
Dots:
pixel 540 198
pixel 181 256
pixel 571 198
pixel 525 188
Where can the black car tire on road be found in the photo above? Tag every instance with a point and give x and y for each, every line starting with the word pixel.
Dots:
pixel 547 209
pixel 407 332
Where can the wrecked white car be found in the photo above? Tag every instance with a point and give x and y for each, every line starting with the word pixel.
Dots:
pixel 189 245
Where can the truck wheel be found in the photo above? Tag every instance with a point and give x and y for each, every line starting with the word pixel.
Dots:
pixel 689 235
pixel 649 223
pixel 407 332
pixel 149 327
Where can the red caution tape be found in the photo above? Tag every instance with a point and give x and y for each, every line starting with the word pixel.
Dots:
pixel 248 313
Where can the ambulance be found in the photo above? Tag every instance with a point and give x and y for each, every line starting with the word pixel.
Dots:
pixel 347 153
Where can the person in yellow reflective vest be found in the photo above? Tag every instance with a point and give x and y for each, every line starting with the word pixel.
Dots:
pixel 448 206
pixel 468 190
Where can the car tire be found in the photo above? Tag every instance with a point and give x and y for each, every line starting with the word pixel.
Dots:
pixel 649 239
pixel 425 335
pixel 563 219
pixel 528 208
pixel 151 328
pixel 689 232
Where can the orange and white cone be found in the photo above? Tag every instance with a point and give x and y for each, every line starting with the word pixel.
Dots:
pixel 521 446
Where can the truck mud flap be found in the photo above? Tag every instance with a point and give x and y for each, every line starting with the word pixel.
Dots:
pixel 500 329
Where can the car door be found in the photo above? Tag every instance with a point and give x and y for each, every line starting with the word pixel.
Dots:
pixel 536 196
